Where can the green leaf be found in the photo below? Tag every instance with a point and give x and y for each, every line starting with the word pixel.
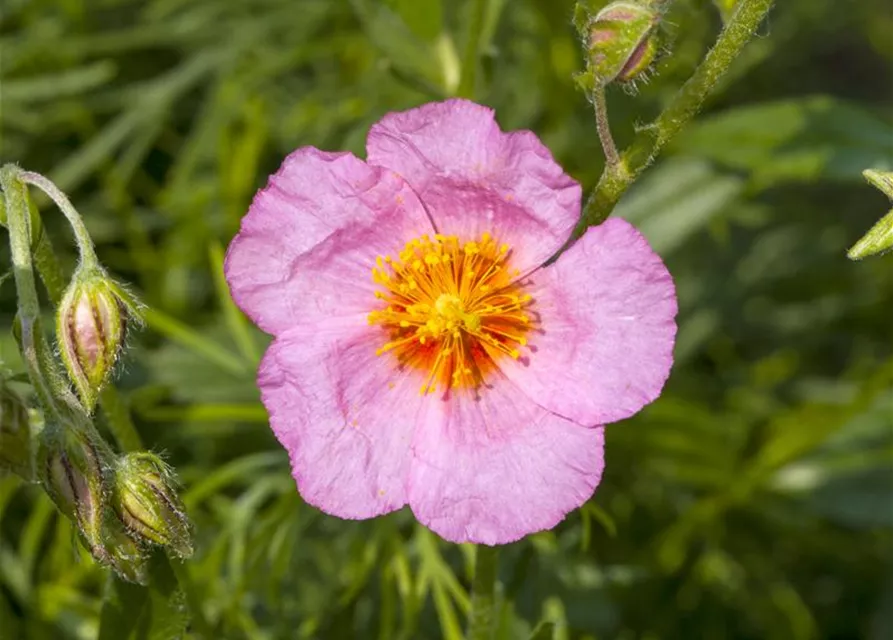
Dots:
pixel 425 19
pixel 156 612
pixel 122 609
pixel 544 631
pixel 799 140
pixel 58 85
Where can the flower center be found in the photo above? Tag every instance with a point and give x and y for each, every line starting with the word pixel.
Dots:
pixel 452 309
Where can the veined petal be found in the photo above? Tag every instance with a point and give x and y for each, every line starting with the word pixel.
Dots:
pixel 606 328
pixel 344 415
pixel 310 238
pixel 474 178
pixel 498 467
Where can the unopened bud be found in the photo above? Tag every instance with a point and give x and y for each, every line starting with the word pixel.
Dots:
pixel 90 328
pixel 879 238
pixel 70 469
pixel 147 503
pixel 621 41
pixel 15 433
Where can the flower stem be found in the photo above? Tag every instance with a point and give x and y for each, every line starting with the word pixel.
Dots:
pixel 19 225
pixel 600 103
pixel 82 236
pixel 685 104
pixel 483 593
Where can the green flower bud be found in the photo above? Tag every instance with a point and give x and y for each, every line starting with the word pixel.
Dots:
pixel 147 503
pixel 70 469
pixel 15 433
pixel 621 40
pixel 879 238
pixel 91 324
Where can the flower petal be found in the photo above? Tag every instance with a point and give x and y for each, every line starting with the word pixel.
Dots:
pixel 473 178
pixel 606 311
pixel 310 238
pixel 344 415
pixel 494 469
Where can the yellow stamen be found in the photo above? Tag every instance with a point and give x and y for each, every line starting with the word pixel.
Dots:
pixel 451 309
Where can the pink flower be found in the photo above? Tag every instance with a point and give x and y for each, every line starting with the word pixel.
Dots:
pixel 423 354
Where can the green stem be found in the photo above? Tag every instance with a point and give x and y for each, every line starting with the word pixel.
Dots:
pixel 483 593
pixel 18 223
pixel 472 50
pixel 117 416
pixel 82 236
pixel 684 105
pixel 193 599
pixel 600 103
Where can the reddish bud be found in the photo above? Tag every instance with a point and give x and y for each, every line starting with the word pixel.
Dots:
pixel 621 40
pixel 71 471
pixel 90 328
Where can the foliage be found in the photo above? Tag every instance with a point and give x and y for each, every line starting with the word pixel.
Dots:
pixel 753 500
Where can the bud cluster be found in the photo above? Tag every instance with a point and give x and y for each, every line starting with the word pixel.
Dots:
pixel 121 505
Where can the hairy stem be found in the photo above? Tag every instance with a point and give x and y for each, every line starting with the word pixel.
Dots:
pixel 19 226
pixel 82 236
pixel 483 593
pixel 684 105
pixel 600 103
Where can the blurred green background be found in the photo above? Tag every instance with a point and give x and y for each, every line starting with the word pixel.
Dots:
pixel 753 500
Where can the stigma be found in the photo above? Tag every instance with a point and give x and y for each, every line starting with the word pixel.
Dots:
pixel 451 309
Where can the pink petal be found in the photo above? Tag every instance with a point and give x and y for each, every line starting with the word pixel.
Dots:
pixel 473 178
pixel 606 311
pixel 308 243
pixel 344 415
pixel 498 468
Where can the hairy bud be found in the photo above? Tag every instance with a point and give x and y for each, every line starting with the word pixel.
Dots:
pixel 74 471
pixel 620 39
pixel 879 239
pixel 147 503
pixel 91 324
pixel 71 471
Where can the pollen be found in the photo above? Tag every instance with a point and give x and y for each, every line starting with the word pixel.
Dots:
pixel 450 309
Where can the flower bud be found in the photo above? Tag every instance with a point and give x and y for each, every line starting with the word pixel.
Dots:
pixel 90 328
pixel 147 503
pixel 621 41
pixel 71 472
pixel 15 433
pixel 879 238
